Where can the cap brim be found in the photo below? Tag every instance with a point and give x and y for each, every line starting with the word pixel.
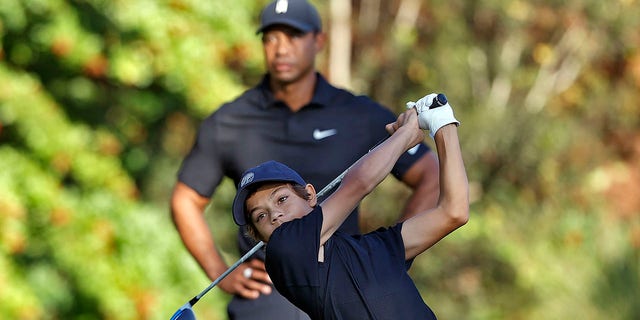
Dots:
pixel 286 22
pixel 238 207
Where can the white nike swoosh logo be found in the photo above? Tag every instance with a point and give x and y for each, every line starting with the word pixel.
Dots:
pixel 321 134
pixel 413 150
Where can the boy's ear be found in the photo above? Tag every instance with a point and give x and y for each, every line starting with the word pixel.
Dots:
pixel 313 199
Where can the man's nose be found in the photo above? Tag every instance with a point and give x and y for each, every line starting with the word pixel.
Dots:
pixel 283 44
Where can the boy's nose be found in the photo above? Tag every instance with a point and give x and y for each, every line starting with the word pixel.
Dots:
pixel 275 217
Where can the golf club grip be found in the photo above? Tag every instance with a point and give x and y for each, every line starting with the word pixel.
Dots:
pixel 439 101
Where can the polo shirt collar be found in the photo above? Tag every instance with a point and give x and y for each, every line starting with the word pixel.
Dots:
pixel 321 95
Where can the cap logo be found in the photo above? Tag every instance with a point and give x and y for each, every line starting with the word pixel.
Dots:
pixel 246 179
pixel 282 6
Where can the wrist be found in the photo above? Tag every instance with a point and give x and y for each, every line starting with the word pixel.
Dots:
pixel 438 118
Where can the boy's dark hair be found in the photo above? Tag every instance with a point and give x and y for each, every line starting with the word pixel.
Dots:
pixel 299 190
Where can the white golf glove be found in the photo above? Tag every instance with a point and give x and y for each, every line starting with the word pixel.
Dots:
pixel 432 116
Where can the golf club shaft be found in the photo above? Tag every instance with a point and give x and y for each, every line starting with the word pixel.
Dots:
pixel 339 178
pixel 226 273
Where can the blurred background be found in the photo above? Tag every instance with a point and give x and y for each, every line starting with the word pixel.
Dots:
pixel 100 101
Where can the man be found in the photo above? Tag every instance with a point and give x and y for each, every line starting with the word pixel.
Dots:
pixel 296 117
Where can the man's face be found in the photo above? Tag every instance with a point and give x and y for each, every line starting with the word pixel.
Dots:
pixel 289 53
pixel 273 204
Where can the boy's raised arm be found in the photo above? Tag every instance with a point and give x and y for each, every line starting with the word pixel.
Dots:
pixel 452 211
pixel 369 171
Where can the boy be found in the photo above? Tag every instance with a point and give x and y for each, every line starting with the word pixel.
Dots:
pixel 331 275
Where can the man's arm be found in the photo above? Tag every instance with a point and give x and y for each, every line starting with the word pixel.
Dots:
pixel 187 209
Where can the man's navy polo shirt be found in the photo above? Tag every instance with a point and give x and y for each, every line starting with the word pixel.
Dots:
pixel 362 277
pixel 319 141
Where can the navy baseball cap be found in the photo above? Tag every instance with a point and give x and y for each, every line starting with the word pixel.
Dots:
pixel 270 171
pixel 299 14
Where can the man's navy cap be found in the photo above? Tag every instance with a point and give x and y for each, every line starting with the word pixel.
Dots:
pixel 270 171
pixel 299 14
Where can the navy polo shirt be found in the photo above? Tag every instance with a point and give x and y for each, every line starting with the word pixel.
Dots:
pixel 362 277
pixel 319 141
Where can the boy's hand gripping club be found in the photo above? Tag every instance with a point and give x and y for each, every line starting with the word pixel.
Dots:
pixel 434 112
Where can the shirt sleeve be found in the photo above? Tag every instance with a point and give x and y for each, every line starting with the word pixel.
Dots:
pixel 292 251
pixel 202 169
pixel 388 240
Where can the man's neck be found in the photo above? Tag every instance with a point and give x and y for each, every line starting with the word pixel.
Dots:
pixel 296 94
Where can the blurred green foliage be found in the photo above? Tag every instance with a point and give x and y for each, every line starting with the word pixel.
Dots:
pixel 100 100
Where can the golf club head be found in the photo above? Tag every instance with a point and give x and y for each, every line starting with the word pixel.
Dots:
pixel 184 313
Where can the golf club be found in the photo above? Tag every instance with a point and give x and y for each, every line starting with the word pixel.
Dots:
pixel 186 312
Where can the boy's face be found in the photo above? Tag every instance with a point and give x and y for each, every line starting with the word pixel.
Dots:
pixel 273 204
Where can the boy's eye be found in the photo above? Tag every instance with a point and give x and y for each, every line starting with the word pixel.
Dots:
pixel 259 216
pixel 282 199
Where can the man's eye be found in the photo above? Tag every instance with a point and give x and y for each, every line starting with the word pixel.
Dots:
pixel 268 39
pixel 259 216
pixel 295 34
pixel 282 199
